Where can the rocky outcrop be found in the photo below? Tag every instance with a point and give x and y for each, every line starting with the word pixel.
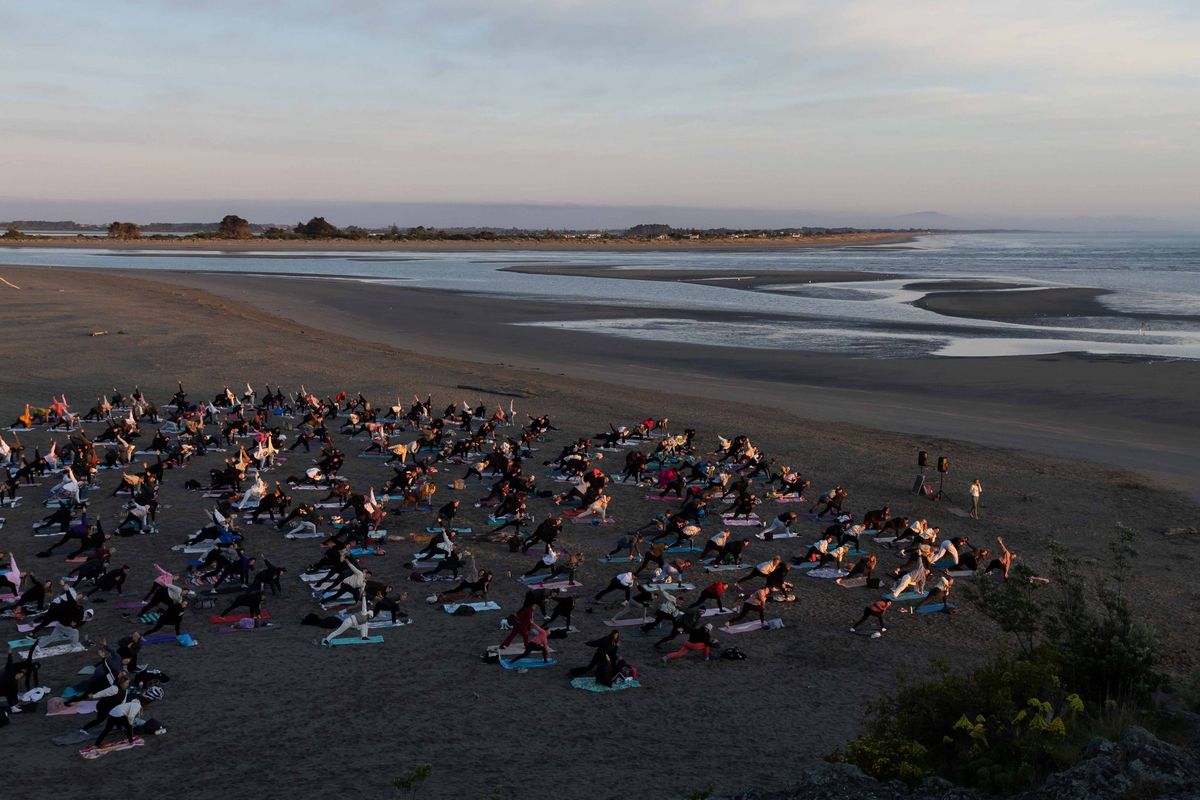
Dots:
pixel 1138 767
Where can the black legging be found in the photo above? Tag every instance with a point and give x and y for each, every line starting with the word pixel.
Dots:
pixel 747 610
pixel 251 601
pixel 114 722
pixel 173 618
pixel 615 585
pixel 708 593
pixel 562 610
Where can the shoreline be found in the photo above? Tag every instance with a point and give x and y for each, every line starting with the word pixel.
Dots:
pixel 582 245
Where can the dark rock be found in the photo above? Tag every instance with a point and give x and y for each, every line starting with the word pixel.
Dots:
pixel 1152 762
pixel 1097 778
pixel 1139 766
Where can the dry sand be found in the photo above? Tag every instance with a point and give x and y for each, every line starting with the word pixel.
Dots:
pixel 267 714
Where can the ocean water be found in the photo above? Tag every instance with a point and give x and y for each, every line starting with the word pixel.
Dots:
pixel 1145 274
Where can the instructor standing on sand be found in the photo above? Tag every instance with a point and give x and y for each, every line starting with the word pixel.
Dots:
pixel 976 491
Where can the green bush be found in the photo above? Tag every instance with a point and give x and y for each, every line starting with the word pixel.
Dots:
pixel 1080 661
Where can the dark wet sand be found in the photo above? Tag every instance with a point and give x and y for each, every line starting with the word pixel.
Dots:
pixel 269 715
pixel 1005 306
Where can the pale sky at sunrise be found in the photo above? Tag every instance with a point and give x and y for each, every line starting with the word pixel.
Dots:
pixel 1056 108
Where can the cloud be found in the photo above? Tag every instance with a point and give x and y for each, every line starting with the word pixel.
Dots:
pixel 765 102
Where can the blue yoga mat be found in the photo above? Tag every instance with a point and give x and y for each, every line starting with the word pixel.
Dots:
pixel 526 663
pixel 349 640
pixel 932 607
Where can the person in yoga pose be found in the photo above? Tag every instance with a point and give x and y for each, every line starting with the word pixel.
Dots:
pixel 950 547
pixel 780 526
pixel 36 595
pixel 252 601
pixel 623 582
pixel 630 542
pixel 360 619
pixel 938 595
pixel 667 610
pixel 915 578
pixel 755 603
pixel 876 610
pixel 173 616
pixel 700 640
pixel 864 567
pixel 381 601
pixel 564 607
pixel 476 588
pixel 714 591
pixel 762 570
pixel 832 501
pixel 715 544
pixel 606 663
pixel 1005 561
pixel 538 638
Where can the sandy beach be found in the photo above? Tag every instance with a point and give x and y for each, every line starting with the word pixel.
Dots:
pixel 265 712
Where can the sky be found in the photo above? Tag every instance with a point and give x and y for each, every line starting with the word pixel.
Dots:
pixel 974 109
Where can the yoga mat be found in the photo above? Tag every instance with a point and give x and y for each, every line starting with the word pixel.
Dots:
pixel 352 640
pixel 57 707
pixel 670 587
pixel 828 573
pixel 73 737
pixel 904 597
pixel 527 663
pixel 932 607
pixel 691 548
pixel 26 627
pixel 559 584
pixel 853 583
pixel 163 638
pixel 617 560
pixel 724 568
pixel 514 649
pixel 57 650
pixel 270 626
pixel 121 744
pixel 236 618
pixel 593 521
pixel 590 685
pixel 716 612
pixel 625 623
pixel 490 605
pixel 775 536
pixel 746 627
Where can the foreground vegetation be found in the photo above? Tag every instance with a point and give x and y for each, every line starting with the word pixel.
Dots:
pixel 1078 664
